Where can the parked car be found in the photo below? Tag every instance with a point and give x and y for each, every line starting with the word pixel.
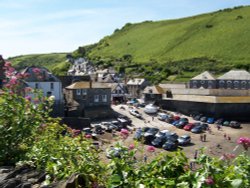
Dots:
pixel 98 129
pixel 171 136
pixel 135 113
pixel 170 145
pixel 226 123
pixel 115 152
pixel 169 120
pixel 184 140
pixel 162 133
pixel 188 127
pixel 197 117
pixel 203 119
pixel 124 120
pixel 176 118
pixel 204 126
pixel 182 122
pixel 174 123
pixel 151 109
pixel 234 124
pixel 219 121
pixel 152 131
pixel 197 129
pixel 162 116
pixel 210 120
pixel 159 141
pixel 138 134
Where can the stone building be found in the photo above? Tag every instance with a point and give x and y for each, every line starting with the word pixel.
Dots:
pixel 88 99
pixel 203 80
pixel 153 94
pixel 234 79
pixel 136 86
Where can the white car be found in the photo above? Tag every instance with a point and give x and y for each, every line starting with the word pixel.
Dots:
pixel 162 116
pixel 162 133
pixel 151 109
pixel 135 113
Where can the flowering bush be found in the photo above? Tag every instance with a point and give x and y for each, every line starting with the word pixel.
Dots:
pixel 245 142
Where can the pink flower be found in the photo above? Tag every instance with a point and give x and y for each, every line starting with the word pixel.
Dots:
pixel 26 75
pixel 28 98
pixel 11 69
pixel 13 80
pixel 88 136
pixel 151 148
pixel 244 141
pixel 131 146
pixel 7 64
pixel 36 70
pixel 124 131
pixel 28 89
pixel 209 181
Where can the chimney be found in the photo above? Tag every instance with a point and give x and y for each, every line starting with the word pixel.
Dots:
pixel 90 83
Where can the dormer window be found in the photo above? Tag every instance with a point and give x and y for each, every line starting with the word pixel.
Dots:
pixel 150 91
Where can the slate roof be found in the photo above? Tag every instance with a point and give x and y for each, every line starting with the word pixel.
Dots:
pixel 153 90
pixel 235 75
pixel 204 76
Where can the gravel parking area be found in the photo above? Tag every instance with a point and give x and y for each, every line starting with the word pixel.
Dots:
pixel 212 140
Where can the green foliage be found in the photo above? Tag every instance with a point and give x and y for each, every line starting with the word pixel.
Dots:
pixel 19 119
pixel 55 62
pixel 215 39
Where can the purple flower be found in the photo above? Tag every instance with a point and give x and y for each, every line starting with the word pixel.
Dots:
pixel 28 98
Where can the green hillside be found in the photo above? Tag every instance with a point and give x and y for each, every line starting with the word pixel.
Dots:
pixel 55 62
pixel 184 47
pixel 167 50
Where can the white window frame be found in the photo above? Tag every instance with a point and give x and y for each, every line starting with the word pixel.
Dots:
pixel 78 92
pixel 84 91
pixel 96 98
pixel 104 98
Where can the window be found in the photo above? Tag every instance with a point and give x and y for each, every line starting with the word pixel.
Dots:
pixel 104 98
pixel 51 86
pixel 210 84
pixel 229 84
pixel 236 84
pixel 221 84
pixel 36 85
pixel 194 84
pixel 78 92
pixel 243 84
pixel 84 92
pixel 96 98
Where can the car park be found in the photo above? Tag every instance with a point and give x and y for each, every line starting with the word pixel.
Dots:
pixel 176 118
pixel 197 117
pixel 138 134
pixel 171 136
pixel 197 129
pixel 174 123
pixel 234 124
pixel 204 126
pixel 184 140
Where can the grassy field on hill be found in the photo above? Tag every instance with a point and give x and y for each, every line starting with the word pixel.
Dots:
pixel 55 62
pixel 170 50
pixel 216 41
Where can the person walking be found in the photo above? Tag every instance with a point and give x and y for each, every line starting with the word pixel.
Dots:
pixel 195 154
pixel 145 158
pixel 204 137
pixel 201 137
pixel 225 136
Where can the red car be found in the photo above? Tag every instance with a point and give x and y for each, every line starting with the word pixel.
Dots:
pixel 176 118
pixel 188 127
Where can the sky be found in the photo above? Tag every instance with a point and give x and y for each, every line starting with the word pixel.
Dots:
pixel 46 26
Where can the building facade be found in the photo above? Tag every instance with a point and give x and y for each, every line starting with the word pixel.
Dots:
pixel 136 86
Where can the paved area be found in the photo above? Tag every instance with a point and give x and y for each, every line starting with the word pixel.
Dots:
pixel 213 139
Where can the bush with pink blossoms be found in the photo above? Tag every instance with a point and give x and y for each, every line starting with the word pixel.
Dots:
pixel 244 141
